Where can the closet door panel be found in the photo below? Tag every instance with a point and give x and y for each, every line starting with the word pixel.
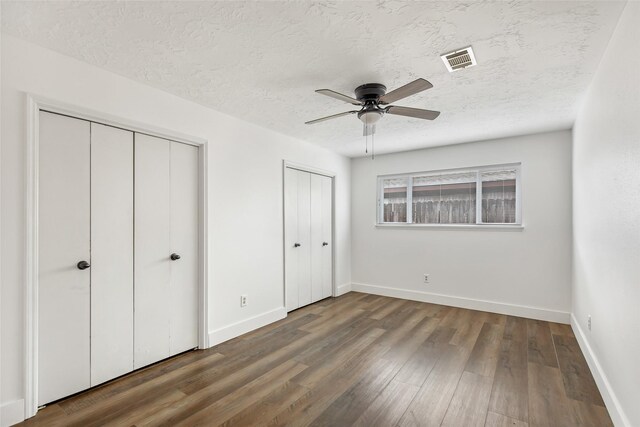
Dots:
pixel 152 273
pixel 111 252
pixel 291 237
pixel 304 238
pixel 326 212
pixel 317 249
pixel 64 239
pixel 184 242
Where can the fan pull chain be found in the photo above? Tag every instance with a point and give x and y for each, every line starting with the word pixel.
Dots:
pixel 366 140
pixel 373 137
pixel 366 136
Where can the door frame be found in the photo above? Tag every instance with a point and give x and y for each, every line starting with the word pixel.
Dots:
pixel 35 104
pixel 304 168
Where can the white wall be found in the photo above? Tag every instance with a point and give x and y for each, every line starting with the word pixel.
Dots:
pixel 245 182
pixel 493 270
pixel 606 222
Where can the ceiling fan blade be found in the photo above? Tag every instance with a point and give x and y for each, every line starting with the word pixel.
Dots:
pixel 346 113
pixel 339 96
pixel 407 90
pixel 417 113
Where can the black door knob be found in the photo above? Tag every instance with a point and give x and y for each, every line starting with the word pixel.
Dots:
pixel 296 245
pixel 325 244
pixel 175 257
pixel 83 265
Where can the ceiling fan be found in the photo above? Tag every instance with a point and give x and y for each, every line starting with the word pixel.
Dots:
pixel 374 99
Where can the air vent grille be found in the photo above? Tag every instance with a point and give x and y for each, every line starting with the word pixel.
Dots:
pixel 459 59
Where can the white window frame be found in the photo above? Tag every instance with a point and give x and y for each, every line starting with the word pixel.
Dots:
pixel 478 224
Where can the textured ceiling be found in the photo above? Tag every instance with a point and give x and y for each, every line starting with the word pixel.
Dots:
pixel 262 60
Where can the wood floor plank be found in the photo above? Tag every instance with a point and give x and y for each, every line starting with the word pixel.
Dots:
pixel 166 368
pixel 495 318
pixel 499 420
pixel 468 326
pixel 433 310
pixel 432 400
pixel 392 305
pixel 389 406
pixel 398 317
pixel 215 385
pixel 548 404
pixel 233 403
pixel 510 395
pixel 316 373
pixel 338 319
pixel 588 415
pixel 306 409
pixel 515 329
pixel 272 404
pixel 561 329
pixel 541 349
pixel 246 366
pixel 368 299
pixel 146 411
pixel 364 360
pixel 374 305
pixel 416 370
pixel 469 404
pixel 267 333
pixel 134 398
pixel 350 405
pixel 339 337
pixel 405 348
pixel 401 332
pixel 513 353
pixel 51 415
pixel 484 356
pixel 578 381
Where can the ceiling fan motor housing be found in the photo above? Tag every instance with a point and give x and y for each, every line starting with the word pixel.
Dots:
pixel 370 92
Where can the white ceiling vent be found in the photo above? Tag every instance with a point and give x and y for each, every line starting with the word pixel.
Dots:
pixel 459 59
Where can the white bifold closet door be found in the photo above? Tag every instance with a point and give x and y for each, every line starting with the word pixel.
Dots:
pixel 85 215
pixel 321 237
pixel 111 252
pixel 166 227
pixel 117 253
pixel 64 240
pixel 308 238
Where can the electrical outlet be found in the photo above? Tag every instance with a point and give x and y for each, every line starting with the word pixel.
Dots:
pixel 426 278
pixel 589 322
pixel 243 300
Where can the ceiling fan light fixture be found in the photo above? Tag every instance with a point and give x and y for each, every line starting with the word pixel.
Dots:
pixel 370 117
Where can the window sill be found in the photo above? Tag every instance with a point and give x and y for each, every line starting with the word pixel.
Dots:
pixel 459 227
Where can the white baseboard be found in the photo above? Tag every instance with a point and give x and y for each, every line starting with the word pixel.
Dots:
pixel 610 400
pixel 473 304
pixel 11 413
pixel 236 329
pixel 343 289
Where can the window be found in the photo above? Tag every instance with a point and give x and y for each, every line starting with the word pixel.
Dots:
pixel 499 196
pixel 395 199
pixel 483 195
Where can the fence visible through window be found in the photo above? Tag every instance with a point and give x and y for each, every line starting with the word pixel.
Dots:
pixel 395 200
pixel 484 195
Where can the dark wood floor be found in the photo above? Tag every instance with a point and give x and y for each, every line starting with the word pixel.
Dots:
pixel 360 360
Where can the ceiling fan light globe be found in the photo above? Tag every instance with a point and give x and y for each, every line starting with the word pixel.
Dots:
pixel 370 117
